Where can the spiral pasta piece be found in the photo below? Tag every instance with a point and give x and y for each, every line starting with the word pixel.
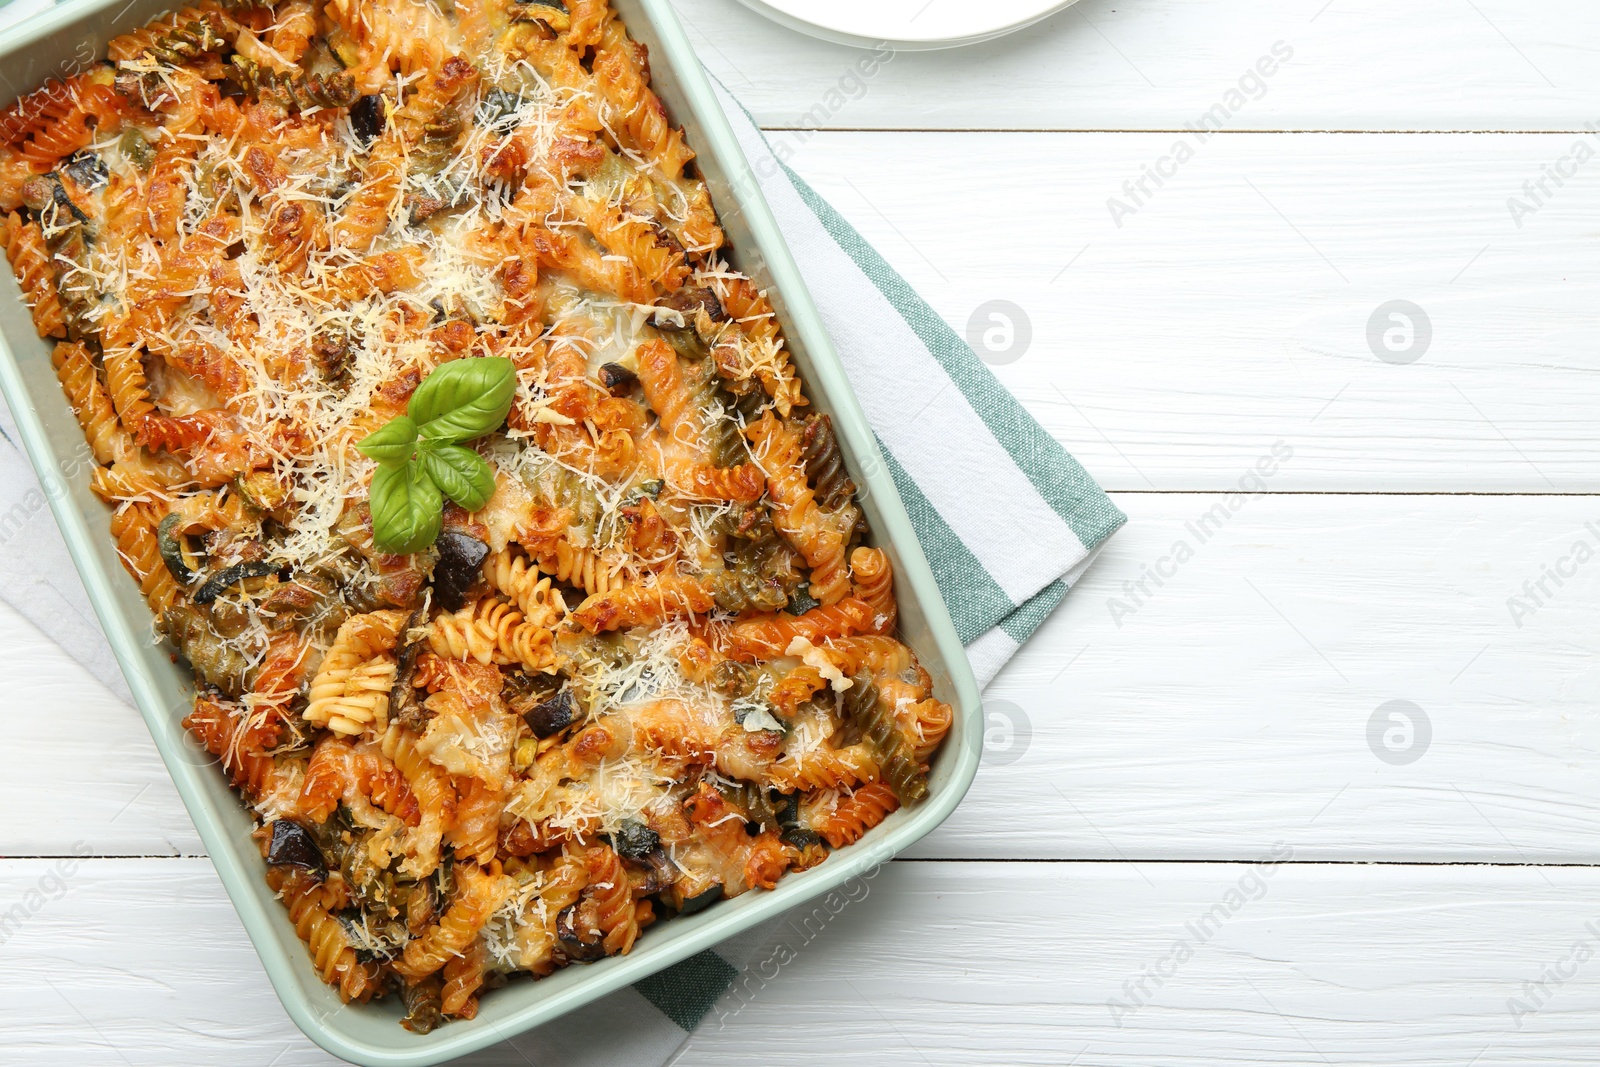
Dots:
pixel 463 977
pixel 817 535
pixel 660 258
pixel 475 832
pixel 491 631
pixel 108 442
pixel 824 463
pixel 371 206
pixel 62 117
pixel 878 656
pixel 619 74
pixel 930 721
pixel 826 768
pixel 645 602
pixel 350 692
pixel 228 733
pixel 766 636
pixel 872 580
pixel 581 567
pixel 293 28
pixel 479 895
pixel 140 552
pixel 517 580
pixel 30 262
pixel 339 771
pixel 613 897
pixel 436 800
pixel 761 355
pixel 402 34
pixel 332 954
pixel 125 377
pixel 854 814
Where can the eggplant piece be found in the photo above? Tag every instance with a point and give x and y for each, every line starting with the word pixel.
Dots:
pixel 230 576
pixel 48 198
pixel 460 564
pixel 213 659
pixel 578 930
pixel 444 878
pixel 689 300
pixel 799 837
pixel 372 888
pixel 424 1004
pixel 422 905
pixel 292 846
pixel 752 799
pixel 335 354
pixel 660 871
pixel 170 544
pixel 789 811
pixel 87 169
pixel 731 678
pixel 262 491
pixel 616 378
pixel 801 602
pixel 550 717
pixel 498 110
pixel 374 942
pixel 701 901
pixel 298 599
pixel 552 14
pixel 420 209
pixel 136 148
pixel 634 840
pixel 404 707
pixel 524 689
pixel 367 118
pixel 650 487
pixel 740 588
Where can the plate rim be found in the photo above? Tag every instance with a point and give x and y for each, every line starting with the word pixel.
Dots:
pixel 839 35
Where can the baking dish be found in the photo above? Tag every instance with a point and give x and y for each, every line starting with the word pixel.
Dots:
pixel 70 37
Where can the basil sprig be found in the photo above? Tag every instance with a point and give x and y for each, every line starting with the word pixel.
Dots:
pixel 420 455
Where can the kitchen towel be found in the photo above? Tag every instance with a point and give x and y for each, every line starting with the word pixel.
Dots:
pixel 980 478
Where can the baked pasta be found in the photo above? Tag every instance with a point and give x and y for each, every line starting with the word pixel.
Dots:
pixel 527 604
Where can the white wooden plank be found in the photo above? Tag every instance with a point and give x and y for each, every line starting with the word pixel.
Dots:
pixel 980 964
pixel 1231 706
pixel 134 962
pixel 1158 64
pixel 143 962
pixel 1206 726
pixel 79 764
pixel 1232 309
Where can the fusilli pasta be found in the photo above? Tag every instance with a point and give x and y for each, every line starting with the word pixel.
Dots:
pixel 656 666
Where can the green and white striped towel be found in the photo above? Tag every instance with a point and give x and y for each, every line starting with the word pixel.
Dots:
pixel 1007 518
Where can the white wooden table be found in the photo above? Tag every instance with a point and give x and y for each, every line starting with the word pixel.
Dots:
pixel 1099 899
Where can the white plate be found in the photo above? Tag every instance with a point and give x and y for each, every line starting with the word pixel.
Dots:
pixel 906 24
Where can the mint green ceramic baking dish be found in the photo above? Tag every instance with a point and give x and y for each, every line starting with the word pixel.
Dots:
pixel 75 33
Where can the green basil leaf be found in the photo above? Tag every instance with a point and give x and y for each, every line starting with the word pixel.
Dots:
pixel 391 443
pixel 460 473
pixel 407 510
pixel 465 398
